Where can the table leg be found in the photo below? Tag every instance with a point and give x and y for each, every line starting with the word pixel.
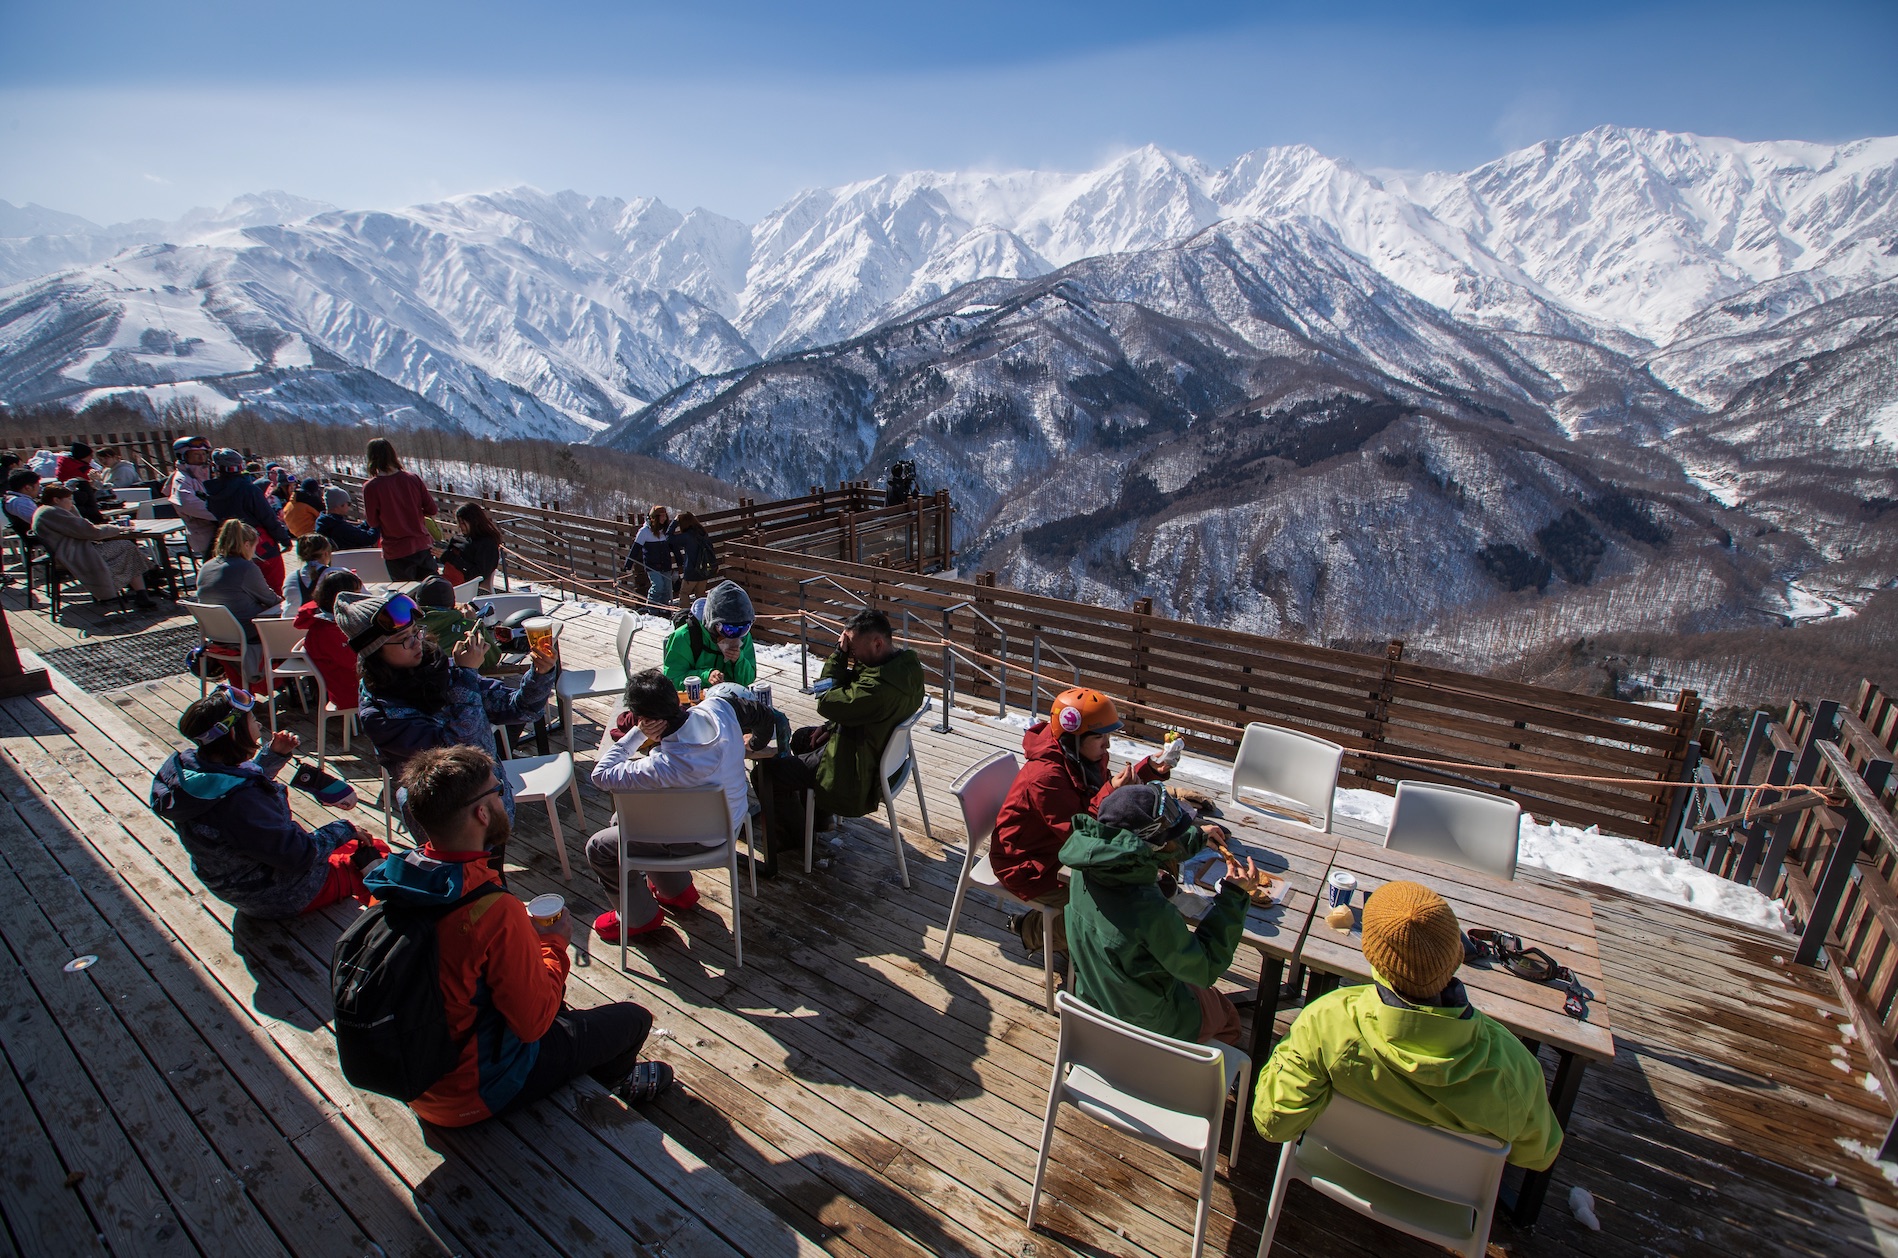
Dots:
pixel 540 737
pixel 171 573
pixel 1265 1013
pixel 1535 1185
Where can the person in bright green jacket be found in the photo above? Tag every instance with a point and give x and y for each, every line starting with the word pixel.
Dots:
pixel 1410 1044
pixel 714 643
pixel 1134 956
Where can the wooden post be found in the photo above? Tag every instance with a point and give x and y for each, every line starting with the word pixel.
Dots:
pixel 1378 718
pixel 1142 608
pixel 1667 812
pixel 16 679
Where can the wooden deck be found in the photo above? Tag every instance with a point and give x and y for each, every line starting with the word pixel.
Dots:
pixel 839 1092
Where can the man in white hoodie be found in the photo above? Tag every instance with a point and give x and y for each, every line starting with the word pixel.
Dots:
pixel 697 746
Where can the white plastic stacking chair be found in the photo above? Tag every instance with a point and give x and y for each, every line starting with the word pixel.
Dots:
pixel 328 712
pixel 1286 771
pixel 466 591
pixel 1430 1183
pixel 367 564
pixel 506 605
pixel 697 814
pixel 608 679
pixel 897 767
pixel 130 497
pixel 980 792
pixel 388 804
pixel 218 626
pixel 539 780
pixel 1453 823
pixel 1164 1091
pixel 284 658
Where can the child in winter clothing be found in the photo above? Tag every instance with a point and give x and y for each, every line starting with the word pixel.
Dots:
pixel 325 644
pixel 222 798
pixel 714 643
pixel 697 746
pixel 314 550
pixel 1134 956
pixel 305 505
pixel 503 978
pixel 336 525
pixel 1410 1044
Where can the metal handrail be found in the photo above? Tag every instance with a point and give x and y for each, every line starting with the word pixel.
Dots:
pixel 949 653
pixel 1034 671
pixel 804 624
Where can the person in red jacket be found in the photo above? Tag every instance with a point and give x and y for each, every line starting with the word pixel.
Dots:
pixel 76 463
pixel 325 644
pixel 503 977
pixel 396 502
pixel 1065 774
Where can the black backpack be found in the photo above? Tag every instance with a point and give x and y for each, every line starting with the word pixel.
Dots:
pixel 695 632
pixel 391 1028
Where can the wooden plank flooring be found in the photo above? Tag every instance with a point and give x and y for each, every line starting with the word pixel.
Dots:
pixel 841 1091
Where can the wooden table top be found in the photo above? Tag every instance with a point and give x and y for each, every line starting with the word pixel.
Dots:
pixel 154 528
pixel 1561 924
pixel 1299 854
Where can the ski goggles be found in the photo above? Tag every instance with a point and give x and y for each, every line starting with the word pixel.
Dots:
pixel 1483 944
pixel 1170 816
pixel 396 614
pixel 732 631
pixel 241 701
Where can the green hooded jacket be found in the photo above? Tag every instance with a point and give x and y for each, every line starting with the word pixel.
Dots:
pixel 868 701
pixel 1428 1064
pixel 1134 956
pixel 692 652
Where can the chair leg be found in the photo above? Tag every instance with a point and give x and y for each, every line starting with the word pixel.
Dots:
pixel 896 837
pixel 1277 1205
pixel 1211 1156
pixel 579 809
pixel 810 823
pixel 625 877
pixel 1047 1142
pixel 738 928
pixel 322 736
pixel 560 838
pixel 349 725
pixel 955 915
pixel 921 806
pixel 751 853
pixel 1239 1116
pixel 566 721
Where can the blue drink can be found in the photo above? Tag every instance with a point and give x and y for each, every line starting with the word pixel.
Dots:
pixel 693 689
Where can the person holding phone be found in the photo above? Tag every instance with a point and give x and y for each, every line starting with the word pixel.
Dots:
pixel 233 817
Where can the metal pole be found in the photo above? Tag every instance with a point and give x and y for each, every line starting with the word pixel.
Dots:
pixel 1001 684
pixel 948 675
pixel 803 639
pixel 1034 685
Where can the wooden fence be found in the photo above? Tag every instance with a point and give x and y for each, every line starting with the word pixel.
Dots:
pixel 151 451
pixel 1834 864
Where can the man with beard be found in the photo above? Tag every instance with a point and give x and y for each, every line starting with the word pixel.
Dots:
pixel 416 696
pixel 503 977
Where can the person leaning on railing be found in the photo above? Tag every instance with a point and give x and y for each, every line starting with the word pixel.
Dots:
pixel 868 688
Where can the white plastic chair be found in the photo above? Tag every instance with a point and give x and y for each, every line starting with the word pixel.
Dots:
pixel 539 780
pixel 897 767
pixel 506 605
pixel 328 712
pixel 980 792
pixel 367 564
pixel 218 627
pixel 1164 1091
pixel 581 683
pixel 1453 823
pixel 1294 772
pixel 697 814
pixel 283 641
pixel 466 591
pixel 1430 1183
pixel 128 497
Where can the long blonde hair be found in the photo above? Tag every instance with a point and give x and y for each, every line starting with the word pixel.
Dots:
pixel 232 537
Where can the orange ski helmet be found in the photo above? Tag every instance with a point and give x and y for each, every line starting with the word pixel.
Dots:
pixel 1081 711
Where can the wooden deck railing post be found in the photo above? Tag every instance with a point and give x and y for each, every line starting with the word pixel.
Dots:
pixel 1669 804
pixel 1137 673
pixel 1823 727
pixel 1380 714
pixel 1829 888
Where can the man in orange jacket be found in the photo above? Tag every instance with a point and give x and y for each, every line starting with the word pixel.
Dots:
pixel 502 977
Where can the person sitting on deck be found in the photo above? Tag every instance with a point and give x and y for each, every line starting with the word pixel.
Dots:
pixel 120 472
pixel 503 978
pixel 232 816
pixel 1410 1043
pixel 325 644
pixel 416 696
pixel 336 525
pixel 232 579
pixel 475 551
pixel 1064 773
pixel 305 505
pixel 75 462
pixel 1134 956
pixel 714 643
pixel 103 557
pixel 867 688
pixel 23 496
pixel 697 746
pixel 299 587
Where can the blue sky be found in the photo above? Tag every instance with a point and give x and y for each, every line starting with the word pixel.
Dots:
pixel 117 110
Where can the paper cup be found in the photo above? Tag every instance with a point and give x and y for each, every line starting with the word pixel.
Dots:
pixel 1339 886
pixel 546 909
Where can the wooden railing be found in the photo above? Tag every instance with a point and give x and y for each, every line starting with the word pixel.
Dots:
pixel 150 451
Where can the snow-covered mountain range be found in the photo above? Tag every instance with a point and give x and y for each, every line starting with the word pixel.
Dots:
pixel 1618 357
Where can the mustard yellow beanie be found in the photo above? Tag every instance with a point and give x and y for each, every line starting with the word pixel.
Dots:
pixel 1412 939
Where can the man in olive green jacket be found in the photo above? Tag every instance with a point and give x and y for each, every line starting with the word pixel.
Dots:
pixel 1410 1044
pixel 866 689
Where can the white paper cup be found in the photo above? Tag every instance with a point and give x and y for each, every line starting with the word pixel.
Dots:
pixel 1339 886
pixel 546 909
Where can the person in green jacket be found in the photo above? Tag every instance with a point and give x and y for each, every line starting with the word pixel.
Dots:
pixel 1134 956
pixel 714 643
pixel 867 688
pixel 1410 1044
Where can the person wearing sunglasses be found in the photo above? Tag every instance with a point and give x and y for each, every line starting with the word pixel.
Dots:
pixel 713 642
pixel 503 979
pixel 416 695
pixel 222 797
pixel 1410 1043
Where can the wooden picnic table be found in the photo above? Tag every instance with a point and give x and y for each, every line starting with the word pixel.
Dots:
pixel 1561 924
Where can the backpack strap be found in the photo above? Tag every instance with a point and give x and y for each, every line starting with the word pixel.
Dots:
pixel 436 914
pixel 697 631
